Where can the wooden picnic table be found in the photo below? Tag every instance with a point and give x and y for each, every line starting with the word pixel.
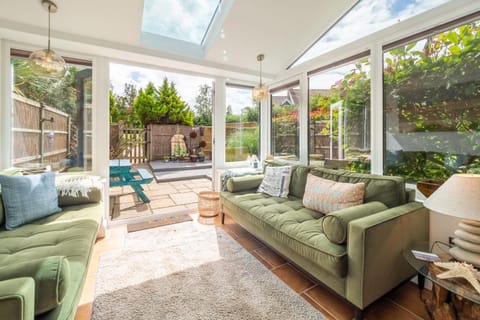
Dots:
pixel 121 174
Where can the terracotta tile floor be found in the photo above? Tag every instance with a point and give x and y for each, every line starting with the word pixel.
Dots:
pixel 402 303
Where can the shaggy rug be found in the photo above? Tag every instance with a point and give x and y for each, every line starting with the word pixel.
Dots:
pixel 190 271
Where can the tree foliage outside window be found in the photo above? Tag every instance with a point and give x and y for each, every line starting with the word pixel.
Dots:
pixel 162 105
pixel 203 106
pixel 242 125
pixel 432 105
pixel 348 100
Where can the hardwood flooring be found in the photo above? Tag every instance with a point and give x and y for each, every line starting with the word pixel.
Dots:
pixel 402 303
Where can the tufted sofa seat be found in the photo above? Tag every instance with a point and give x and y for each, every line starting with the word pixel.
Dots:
pixel 54 252
pixel 357 251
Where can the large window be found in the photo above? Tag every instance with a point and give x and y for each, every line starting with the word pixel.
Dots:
pixel 339 116
pixel 285 129
pixel 51 118
pixel 432 105
pixel 242 119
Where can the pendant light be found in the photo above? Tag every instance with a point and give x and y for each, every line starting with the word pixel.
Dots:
pixel 46 62
pixel 260 91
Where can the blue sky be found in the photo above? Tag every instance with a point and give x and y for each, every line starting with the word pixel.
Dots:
pixel 367 17
pixel 187 86
pixel 180 19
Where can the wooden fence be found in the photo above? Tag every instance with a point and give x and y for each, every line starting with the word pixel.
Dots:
pixel 129 143
pixel 160 136
pixel 41 134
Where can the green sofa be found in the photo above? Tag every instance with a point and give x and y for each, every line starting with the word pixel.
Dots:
pixel 43 264
pixel 357 251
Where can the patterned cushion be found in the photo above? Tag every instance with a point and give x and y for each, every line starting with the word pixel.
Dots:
pixel 27 198
pixel 276 181
pixel 328 196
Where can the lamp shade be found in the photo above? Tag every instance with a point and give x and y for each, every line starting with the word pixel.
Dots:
pixel 259 93
pixel 459 196
pixel 47 63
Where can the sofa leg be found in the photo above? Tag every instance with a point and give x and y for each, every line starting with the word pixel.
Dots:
pixel 358 314
pixel 223 217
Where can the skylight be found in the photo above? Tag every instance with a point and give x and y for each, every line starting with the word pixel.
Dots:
pixel 367 17
pixel 186 20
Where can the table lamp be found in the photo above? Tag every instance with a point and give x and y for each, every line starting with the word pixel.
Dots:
pixel 459 196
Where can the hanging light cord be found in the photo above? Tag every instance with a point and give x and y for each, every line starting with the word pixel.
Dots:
pixel 49 13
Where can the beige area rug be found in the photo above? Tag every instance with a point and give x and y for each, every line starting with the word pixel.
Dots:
pixel 189 271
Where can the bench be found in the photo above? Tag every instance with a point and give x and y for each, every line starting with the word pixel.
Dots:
pixel 122 175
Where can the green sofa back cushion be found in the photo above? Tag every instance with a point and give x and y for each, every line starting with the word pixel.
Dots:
pixel 75 189
pixel 244 183
pixel 389 190
pixel 335 224
pixel 51 276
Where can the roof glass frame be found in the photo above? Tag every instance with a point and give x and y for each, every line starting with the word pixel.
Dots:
pixel 363 19
pixel 183 26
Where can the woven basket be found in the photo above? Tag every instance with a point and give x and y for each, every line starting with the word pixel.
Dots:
pixel 208 203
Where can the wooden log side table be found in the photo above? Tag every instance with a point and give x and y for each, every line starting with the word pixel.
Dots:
pixel 451 299
pixel 208 203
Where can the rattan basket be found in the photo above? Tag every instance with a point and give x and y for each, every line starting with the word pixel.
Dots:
pixel 208 203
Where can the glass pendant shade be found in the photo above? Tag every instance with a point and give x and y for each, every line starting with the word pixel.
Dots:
pixel 260 92
pixel 47 63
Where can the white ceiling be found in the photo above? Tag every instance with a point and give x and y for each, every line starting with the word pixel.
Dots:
pixel 280 29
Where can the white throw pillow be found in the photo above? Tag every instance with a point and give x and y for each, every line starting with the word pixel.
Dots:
pixel 327 196
pixel 276 181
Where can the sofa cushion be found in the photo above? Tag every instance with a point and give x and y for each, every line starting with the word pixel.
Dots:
pixel 330 174
pixel 276 181
pixel 243 183
pixel 298 177
pixel 335 224
pixel 74 189
pixel 290 223
pixel 51 276
pixel 28 198
pixel 8 172
pixel 390 190
pixel 70 233
pixel 328 196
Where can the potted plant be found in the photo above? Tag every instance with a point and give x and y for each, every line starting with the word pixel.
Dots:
pixel 201 155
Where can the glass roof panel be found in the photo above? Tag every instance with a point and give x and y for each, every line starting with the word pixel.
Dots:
pixel 365 18
pixel 186 20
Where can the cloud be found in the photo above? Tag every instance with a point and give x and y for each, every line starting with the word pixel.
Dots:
pixel 187 86
pixel 367 17
pixel 186 20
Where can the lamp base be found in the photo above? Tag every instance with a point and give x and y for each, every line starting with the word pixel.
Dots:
pixel 467 241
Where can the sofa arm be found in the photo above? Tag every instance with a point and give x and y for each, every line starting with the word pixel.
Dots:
pixel 244 183
pixel 17 299
pixel 375 245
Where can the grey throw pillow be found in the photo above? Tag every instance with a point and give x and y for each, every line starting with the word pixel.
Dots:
pixel 276 181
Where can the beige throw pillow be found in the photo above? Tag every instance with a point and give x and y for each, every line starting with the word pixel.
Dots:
pixel 327 196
